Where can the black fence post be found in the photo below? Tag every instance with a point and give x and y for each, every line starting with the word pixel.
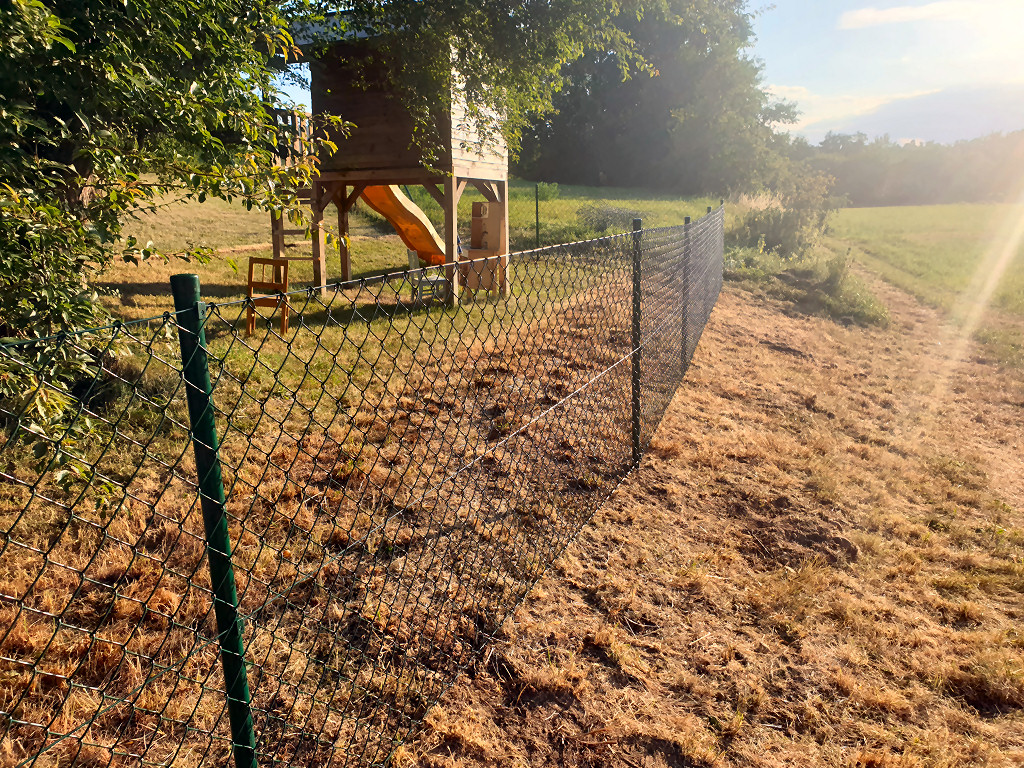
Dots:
pixel 198 392
pixel 635 339
pixel 687 304
pixel 536 203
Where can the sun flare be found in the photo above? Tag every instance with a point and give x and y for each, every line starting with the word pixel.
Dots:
pixel 975 300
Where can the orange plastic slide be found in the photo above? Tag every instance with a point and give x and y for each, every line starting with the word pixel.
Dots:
pixel 409 221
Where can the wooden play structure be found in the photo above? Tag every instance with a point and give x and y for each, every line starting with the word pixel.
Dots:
pixel 378 156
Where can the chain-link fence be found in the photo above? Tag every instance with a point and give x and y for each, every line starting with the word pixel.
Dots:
pixel 286 545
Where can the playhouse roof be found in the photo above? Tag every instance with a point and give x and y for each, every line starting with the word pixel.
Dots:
pixel 331 29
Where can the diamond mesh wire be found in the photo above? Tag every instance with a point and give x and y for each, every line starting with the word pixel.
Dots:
pixel 397 476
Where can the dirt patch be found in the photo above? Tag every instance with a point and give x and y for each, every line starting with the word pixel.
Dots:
pixel 784 531
pixel 819 563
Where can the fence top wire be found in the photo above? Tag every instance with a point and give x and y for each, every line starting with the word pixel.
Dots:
pixel 114 327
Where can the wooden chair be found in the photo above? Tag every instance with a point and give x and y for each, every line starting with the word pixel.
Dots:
pixel 264 292
pixel 426 287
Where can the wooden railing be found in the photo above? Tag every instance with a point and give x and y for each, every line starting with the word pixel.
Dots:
pixel 294 131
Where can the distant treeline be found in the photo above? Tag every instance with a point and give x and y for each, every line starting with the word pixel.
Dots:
pixel 884 172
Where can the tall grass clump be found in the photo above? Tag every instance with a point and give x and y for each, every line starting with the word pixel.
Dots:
pixel 547 191
pixel 602 217
pixel 775 246
pixel 786 222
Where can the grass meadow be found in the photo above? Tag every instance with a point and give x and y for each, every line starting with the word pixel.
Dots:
pixel 958 258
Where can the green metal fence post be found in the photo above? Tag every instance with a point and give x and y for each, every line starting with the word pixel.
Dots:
pixel 687 308
pixel 637 250
pixel 536 202
pixel 198 391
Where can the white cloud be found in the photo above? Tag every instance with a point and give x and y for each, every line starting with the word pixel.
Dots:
pixel 816 108
pixel 944 10
pixel 965 42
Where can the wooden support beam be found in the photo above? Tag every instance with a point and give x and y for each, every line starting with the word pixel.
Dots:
pixel 348 202
pixel 435 192
pixel 344 256
pixel 344 202
pixel 326 192
pixel 452 193
pixel 384 176
pixel 489 189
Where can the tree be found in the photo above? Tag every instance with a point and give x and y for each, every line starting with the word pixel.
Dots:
pixel 690 115
pixel 96 94
pixel 885 172
pixel 505 58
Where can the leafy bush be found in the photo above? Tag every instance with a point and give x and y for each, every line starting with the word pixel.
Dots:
pixel 755 265
pixel 818 284
pixel 546 191
pixel 601 217
pixel 789 221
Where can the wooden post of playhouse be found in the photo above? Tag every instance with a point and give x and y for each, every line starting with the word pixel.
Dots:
pixel 343 253
pixel 277 240
pixel 345 200
pixel 317 204
pixel 504 241
pixel 451 238
pixel 277 233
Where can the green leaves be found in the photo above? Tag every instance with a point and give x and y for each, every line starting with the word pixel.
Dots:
pixel 508 56
pixel 107 110
pixel 674 102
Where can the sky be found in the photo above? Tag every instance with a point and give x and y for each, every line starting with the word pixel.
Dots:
pixel 928 70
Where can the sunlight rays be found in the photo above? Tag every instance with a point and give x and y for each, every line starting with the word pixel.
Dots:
pixel 975 301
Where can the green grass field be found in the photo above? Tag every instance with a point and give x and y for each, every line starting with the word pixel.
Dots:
pixel 934 252
pixel 945 255
pixel 566 214
pixel 940 254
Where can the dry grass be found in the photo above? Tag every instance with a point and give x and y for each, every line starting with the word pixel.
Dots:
pixel 364 582
pixel 821 562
